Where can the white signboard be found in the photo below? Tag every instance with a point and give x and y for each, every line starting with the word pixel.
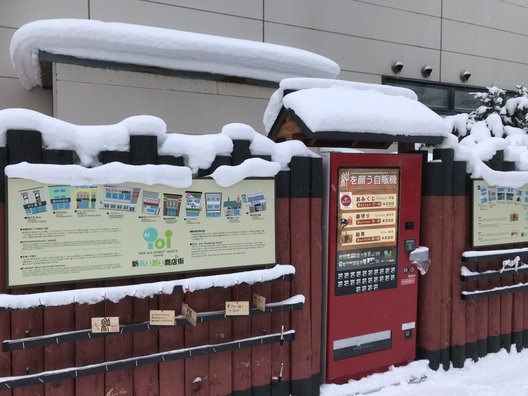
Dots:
pixel 500 214
pixel 59 233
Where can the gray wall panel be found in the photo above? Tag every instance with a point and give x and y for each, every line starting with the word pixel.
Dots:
pixel 244 8
pixel 428 7
pixel 490 13
pixel 15 95
pixel 483 42
pixel 484 72
pixel 356 19
pixel 15 13
pixel 186 107
pixel 179 18
pixel 357 55
pixel 6 67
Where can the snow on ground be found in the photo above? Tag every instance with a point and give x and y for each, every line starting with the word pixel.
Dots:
pixel 497 374
pixel 159 47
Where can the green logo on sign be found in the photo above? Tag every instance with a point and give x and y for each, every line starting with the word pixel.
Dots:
pixel 150 235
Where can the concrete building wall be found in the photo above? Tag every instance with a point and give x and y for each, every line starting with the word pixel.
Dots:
pixel 486 37
pixel 186 105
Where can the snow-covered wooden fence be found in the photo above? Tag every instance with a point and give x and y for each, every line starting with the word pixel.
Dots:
pixel 133 362
pixel 468 307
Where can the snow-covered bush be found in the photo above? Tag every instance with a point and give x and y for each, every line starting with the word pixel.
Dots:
pixel 496 125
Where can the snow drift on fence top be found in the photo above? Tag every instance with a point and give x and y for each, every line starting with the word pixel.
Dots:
pixel 165 48
pixel 198 151
pixel 345 106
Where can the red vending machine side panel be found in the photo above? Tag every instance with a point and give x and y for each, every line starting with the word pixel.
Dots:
pixel 373 224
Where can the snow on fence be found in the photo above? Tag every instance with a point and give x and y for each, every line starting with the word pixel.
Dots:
pixel 157 361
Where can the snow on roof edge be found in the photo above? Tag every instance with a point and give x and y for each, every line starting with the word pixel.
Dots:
pixel 299 83
pixel 160 47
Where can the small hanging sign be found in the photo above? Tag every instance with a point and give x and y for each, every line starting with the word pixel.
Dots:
pixel 189 314
pixel 237 308
pixel 259 301
pixel 109 324
pixel 162 317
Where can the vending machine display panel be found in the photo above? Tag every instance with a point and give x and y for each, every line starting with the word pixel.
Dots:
pixel 366 234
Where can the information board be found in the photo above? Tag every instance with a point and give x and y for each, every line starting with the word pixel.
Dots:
pixel 62 233
pixel 367 213
pixel 500 215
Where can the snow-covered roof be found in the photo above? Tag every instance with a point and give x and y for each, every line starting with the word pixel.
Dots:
pixel 159 47
pixel 341 106
pixel 198 151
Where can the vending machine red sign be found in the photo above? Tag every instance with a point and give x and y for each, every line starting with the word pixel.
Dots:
pixel 373 207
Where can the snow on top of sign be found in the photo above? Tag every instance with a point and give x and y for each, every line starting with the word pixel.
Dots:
pixel 198 151
pixel 159 47
pixel 345 106
pixel 229 175
pixel 114 172
pixel 144 290
pixel 481 253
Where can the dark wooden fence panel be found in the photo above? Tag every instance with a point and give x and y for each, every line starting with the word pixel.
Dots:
pixel 429 291
pixel 89 351
pixel 280 359
pixel 172 374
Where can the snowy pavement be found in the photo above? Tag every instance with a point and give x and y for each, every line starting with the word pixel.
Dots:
pixel 497 374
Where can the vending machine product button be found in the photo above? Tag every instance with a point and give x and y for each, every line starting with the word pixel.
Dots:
pixel 410 245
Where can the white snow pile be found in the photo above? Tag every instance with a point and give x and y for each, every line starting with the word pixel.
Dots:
pixel 345 106
pixel 198 151
pixel 164 48
pixel 497 374
pixel 145 290
pixel 478 136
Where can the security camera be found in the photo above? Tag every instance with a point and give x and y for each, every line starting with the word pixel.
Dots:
pixel 397 67
pixel 465 75
pixel 426 71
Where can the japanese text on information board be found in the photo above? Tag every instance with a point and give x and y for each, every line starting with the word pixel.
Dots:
pixel 500 214
pixel 61 233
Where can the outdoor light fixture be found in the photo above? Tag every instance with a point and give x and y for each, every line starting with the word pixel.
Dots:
pixel 397 67
pixel 465 75
pixel 426 71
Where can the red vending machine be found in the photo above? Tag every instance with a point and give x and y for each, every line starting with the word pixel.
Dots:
pixel 373 209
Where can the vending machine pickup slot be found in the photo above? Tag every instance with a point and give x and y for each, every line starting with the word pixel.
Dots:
pixel 363 344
